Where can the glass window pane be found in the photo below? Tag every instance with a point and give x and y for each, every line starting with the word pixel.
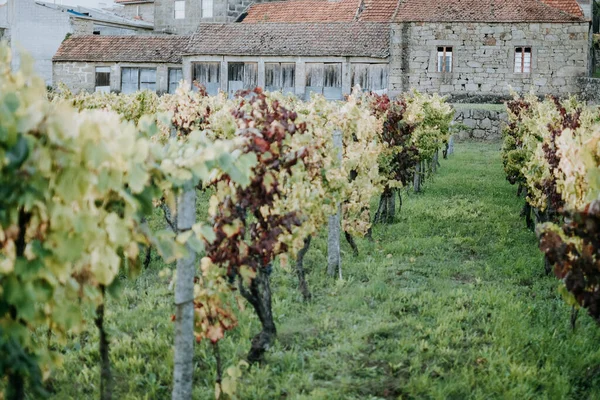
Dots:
pixel 314 75
pixel 250 75
pixel 288 75
pixel 360 76
pixel 235 72
pixel 129 80
pixel 272 76
pixel 179 9
pixel 102 77
pixel 148 79
pixel 207 8
pixel 175 76
pixel 332 75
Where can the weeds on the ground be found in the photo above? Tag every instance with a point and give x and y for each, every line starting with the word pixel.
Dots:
pixel 450 302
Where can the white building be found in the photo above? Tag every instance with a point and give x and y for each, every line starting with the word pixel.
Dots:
pixel 38 28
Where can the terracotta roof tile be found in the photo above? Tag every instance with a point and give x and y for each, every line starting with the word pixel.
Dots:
pixel 322 11
pixel 568 6
pixel 414 10
pixel 486 11
pixel 303 11
pixel 122 48
pixel 292 39
pixel 378 10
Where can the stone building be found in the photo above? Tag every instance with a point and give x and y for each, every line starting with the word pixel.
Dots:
pixel 38 28
pixel 482 51
pixel 471 50
pixel 302 58
pixel 120 63
pixel 182 17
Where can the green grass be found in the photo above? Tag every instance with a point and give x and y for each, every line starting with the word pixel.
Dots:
pixel 450 302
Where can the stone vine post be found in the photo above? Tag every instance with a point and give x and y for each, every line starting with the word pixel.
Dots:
pixel 335 224
pixel 184 302
pixel 417 178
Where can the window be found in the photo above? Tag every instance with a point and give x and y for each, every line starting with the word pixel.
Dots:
pixel 444 59
pixel 207 74
pixel 522 60
pixel 207 8
pixel 175 76
pixel 325 79
pixel 280 77
pixel 148 79
pixel 241 76
pixel 370 77
pixel 134 79
pixel 179 9
pixel 102 83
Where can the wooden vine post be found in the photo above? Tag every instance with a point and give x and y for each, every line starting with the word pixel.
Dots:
pixel 334 258
pixel 184 302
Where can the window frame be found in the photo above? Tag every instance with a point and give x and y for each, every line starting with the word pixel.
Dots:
pixel 212 86
pixel 278 71
pixel 102 88
pixel 520 56
pixel 148 82
pixel 173 86
pixel 367 75
pixel 445 68
pixel 179 13
pixel 139 82
pixel 318 82
pixel 208 5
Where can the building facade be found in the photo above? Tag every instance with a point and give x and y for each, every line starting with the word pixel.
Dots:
pixel 135 9
pixel 470 50
pixel 182 17
pixel 120 63
pixel 38 28
pixel 483 56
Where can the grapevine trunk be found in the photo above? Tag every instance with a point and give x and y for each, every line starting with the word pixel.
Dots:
pixel 259 296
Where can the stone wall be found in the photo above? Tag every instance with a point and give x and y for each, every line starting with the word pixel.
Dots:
pixel 590 89
pixel 144 11
pixel 481 121
pixel 483 58
pixel 164 16
pixel 223 11
pixel 79 76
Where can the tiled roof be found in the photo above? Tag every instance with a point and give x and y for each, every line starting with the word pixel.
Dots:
pixel 322 11
pixel 133 1
pixel 122 48
pixel 568 6
pixel 378 10
pixel 292 39
pixel 414 10
pixel 303 11
pixel 486 11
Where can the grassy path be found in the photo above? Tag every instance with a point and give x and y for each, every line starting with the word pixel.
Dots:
pixel 448 303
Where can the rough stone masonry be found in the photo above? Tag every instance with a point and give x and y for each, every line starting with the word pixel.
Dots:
pixel 484 57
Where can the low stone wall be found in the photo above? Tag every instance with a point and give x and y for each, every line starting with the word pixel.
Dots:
pixel 590 90
pixel 480 121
